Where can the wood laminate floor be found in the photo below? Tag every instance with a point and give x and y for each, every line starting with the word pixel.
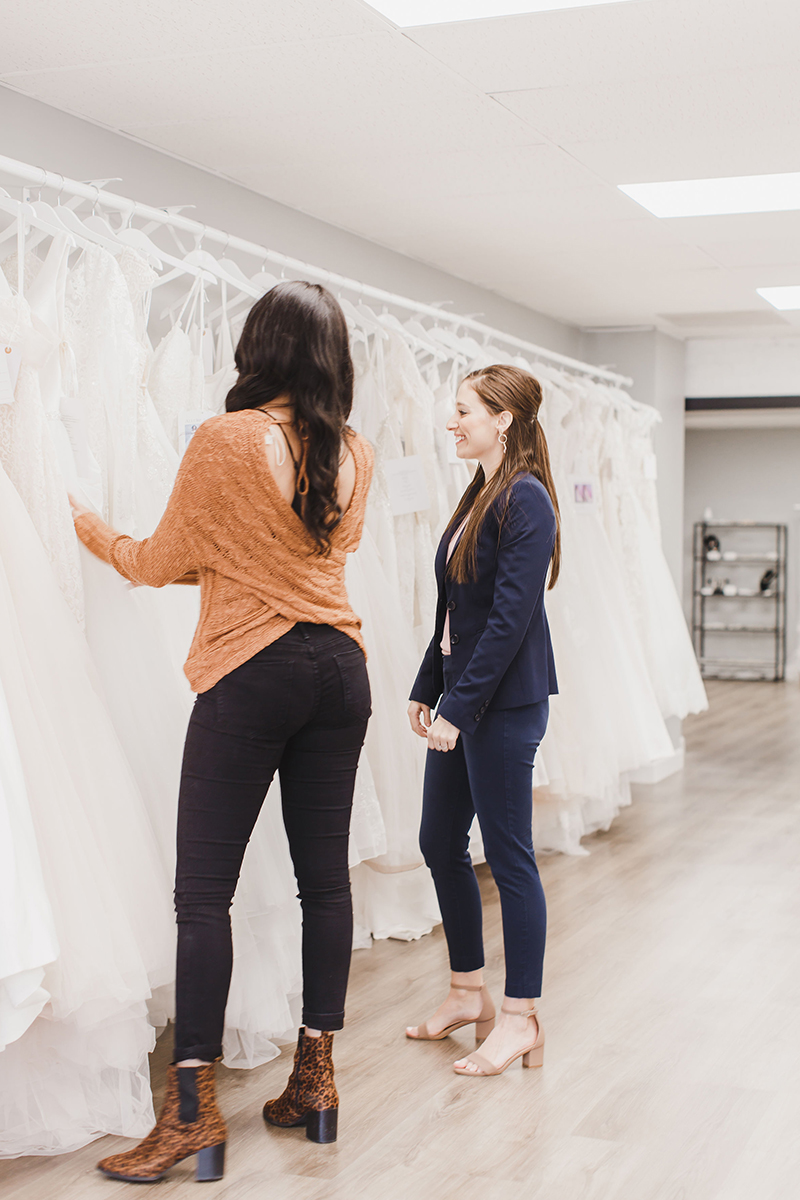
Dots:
pixel 672 1005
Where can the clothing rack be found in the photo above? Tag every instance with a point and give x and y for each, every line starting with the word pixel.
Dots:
pixel 38 177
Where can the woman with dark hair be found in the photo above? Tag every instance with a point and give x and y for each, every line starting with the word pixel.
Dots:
pixel 268 501
pixel 490 669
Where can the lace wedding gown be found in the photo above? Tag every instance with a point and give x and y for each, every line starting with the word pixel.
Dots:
pixel 27 446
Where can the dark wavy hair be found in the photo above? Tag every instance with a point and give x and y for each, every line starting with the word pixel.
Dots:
pixel 295 343
pixel 505 389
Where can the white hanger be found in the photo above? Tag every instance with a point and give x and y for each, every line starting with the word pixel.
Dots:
pixel 417 334
pixel 262 281
pixel 23 210
pixel 369 321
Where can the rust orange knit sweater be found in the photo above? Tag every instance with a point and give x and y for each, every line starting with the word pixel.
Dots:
pixel 258 571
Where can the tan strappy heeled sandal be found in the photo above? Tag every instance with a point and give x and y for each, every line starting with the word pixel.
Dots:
pixel 533 1056
pixel 484 1023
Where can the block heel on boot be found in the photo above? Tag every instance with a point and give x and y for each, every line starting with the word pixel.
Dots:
pixel 322 1126
pixel 210 1163
pixel 310 1097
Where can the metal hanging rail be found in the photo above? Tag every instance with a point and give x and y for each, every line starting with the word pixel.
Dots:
pixel 38 177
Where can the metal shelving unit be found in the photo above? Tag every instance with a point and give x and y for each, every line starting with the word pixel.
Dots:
pixel 743 607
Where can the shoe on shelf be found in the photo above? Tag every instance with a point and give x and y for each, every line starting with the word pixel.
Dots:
pixel 532 1056
pixel 189 1123
pixel 484 1022
pixel 310 1097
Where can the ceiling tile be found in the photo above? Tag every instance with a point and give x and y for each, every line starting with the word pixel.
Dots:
pixel 102 31
pixel 673 108
pixel 702 154
pixel 628 41
pixel 757 252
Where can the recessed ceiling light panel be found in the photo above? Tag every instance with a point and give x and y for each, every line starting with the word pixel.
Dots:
pixel 718 197
pixel 782 298
pixel 407 13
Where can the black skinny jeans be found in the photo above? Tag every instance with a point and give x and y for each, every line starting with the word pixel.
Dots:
pixel 300 707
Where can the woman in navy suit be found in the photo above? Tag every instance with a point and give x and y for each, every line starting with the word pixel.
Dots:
pixel 488 673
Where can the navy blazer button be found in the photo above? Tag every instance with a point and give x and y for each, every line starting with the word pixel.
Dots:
pixel 453 639
pixel 451 605
pixel 477 716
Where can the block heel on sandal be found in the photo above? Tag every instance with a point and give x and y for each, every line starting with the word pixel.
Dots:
pixel 484 1022
pixel 532 1057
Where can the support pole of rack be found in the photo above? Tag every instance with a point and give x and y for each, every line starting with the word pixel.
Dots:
pixel 39 177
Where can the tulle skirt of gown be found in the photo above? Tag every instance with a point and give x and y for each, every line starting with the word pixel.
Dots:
pixel 81 1068
pixel 27 930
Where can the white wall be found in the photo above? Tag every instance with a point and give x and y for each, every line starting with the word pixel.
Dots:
pixel 750 367
pixel 746 474
pixel 36 133
pixel 655 362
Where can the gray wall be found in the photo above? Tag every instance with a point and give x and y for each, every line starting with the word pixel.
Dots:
pixel 743 367
pixel 655 362
pixel 746 474
pixel 36 133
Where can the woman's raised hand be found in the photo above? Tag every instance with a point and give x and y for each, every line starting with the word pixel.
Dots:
pixel 420 717
pixel 78 509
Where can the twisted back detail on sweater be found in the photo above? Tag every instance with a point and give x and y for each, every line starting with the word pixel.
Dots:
pixel 228 527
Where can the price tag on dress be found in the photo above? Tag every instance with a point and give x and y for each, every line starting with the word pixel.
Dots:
pixel 188 424
pixel 650 466
pixel 405 478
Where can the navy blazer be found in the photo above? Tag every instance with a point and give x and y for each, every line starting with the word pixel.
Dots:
pixel 500 650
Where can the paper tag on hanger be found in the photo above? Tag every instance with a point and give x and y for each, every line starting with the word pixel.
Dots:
pixel 650 466
pixel 583 491
pixel 408 492
pixel 188 424
pixel 207 351
pixel 9 373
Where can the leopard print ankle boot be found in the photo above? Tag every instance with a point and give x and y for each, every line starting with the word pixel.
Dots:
pixel 190 1123
pixel 310 1097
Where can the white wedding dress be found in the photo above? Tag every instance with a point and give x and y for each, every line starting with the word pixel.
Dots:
pixel 606 702
pixel 631 519
pixel 28 940
pixel 80 1069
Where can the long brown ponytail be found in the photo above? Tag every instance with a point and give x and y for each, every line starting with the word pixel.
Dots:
pixel 505 389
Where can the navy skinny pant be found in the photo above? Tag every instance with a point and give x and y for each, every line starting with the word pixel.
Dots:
pixel 300 707
pixel 490 772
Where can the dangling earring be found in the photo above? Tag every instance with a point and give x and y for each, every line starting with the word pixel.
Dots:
pixel 503 440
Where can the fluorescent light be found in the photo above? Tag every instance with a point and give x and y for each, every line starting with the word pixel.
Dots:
pixel 718 197
pixel 783 298
pixel 407 13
